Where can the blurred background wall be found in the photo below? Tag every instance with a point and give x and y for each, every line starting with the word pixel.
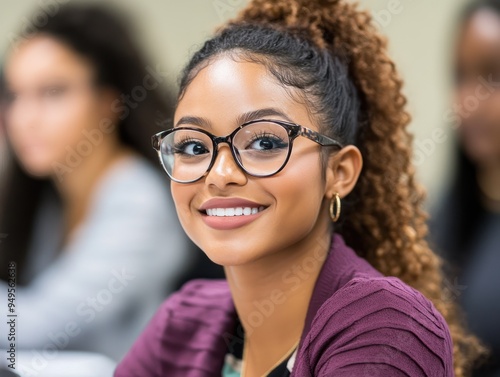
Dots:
pixel 419 32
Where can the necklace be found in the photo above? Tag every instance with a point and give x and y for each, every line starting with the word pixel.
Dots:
pixel 245 358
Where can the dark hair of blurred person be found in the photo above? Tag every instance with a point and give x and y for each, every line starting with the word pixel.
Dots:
pixel 83 208
pixel 466 227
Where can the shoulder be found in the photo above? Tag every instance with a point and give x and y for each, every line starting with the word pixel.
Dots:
pixel 364 289
pixel 380 321
pixel 202 296
pixel 130 202
pixel 198 302
pixel 132 176
pixel 199 305
pixel 188 323
pixel 132 192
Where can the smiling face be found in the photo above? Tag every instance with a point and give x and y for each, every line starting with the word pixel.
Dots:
pixel 285 209
pixel 478 56
pixel 51 102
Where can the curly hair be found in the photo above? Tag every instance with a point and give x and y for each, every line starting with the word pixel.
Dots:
pixel 332 52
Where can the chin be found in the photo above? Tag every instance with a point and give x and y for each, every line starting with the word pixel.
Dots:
pixel 230 254
pixel 482 155
pixel 37 170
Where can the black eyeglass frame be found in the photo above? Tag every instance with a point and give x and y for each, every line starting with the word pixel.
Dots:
pixel 293 131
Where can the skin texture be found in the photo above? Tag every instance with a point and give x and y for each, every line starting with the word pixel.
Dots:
pixel 478 55
pixel 259 257
pixel 53 101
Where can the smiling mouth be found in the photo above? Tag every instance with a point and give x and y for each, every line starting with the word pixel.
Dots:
pixel 232 212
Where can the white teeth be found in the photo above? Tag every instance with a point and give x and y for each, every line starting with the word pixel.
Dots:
pixel 229 212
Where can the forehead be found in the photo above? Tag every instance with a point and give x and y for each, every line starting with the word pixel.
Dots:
pixel 227 88
pixel 485 24
pixel 480 36
pixel 41 58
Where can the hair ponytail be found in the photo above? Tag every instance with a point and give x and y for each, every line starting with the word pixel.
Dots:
pixel 334 54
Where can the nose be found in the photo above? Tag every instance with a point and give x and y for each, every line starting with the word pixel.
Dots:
pixel 225 170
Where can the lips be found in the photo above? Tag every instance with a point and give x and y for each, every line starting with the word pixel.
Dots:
pixel 230 213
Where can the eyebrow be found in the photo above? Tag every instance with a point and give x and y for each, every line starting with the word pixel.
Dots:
pixel 243 118
pixel 194 121
pixel 262 113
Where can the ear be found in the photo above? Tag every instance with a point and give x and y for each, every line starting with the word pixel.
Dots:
pixel 343 171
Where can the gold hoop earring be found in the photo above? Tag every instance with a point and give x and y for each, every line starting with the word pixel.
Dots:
pixel 335 204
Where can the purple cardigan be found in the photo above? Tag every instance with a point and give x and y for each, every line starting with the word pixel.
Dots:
pixel 358 323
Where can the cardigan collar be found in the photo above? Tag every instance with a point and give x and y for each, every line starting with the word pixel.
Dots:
pixel 334 273
pixel 339 264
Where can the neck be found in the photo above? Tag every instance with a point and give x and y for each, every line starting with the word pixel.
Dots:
pixel 272 295
pixel 488 178
pixel 77 185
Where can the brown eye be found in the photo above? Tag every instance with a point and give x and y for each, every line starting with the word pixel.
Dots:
pixel 191 148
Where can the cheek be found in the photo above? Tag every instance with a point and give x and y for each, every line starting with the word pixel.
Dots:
pixel 299 193
pixel 73 125
pixel 494 115
pixel 492 107
pixel 481 134
pixel 183 195
pixel 67 125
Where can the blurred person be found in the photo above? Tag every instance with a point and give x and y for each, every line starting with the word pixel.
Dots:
pixel 89 222
pixel 281 156
pixel 466 226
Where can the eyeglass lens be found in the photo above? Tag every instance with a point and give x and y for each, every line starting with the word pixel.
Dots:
pixel 260 148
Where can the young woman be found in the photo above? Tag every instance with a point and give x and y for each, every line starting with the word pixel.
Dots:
pixel 291 167
pixel 466 228
pixel 86 218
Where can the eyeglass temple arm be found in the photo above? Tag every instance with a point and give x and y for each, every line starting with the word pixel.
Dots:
pixel 155 141
pixel 322 140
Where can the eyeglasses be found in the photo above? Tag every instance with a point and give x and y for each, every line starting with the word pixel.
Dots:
pixel 261 148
